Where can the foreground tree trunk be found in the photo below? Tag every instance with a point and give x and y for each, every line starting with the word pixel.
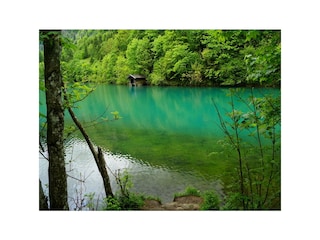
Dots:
pixel 55 120
pixel 43 201
pixel 104 173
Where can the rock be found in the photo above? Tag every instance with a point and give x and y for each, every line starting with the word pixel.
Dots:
pixel 170 206
pixel 151 204
pixel 188 199
pixel 179 203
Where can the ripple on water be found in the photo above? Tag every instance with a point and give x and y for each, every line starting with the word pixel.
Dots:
pixel 157 181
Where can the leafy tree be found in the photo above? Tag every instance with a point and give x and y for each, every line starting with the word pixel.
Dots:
pixel 224 64
pixel 122 39
pixel 122 70
pixel 108 71
pixel 171 58
pixel 78 70
pixel 109 46
pixel 264 61
pixel 139 56
pixel 164 43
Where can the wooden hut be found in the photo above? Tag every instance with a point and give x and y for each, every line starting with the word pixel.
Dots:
pixel 137 80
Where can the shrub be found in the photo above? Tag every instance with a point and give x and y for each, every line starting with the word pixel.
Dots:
pixel 233 202
pixel 131 202
pixel 189 191
pixel 119 202
pixel 211 201
pixel 111 203
pixel 124 199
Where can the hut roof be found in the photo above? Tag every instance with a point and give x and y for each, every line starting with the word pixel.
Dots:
pixel 136 76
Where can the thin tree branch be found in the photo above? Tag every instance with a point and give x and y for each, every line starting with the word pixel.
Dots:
pixel 44 156
pixel 97 155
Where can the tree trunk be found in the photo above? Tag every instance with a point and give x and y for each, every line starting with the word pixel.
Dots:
pixel 104 173
pixel 55 120
pixel 43 201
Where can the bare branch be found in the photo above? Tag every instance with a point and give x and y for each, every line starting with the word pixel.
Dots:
pixel 44 156
pixel 98 155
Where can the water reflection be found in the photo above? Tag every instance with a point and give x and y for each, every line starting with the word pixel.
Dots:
pixel 151 180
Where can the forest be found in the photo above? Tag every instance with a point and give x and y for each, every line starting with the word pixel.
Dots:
pixel 172 57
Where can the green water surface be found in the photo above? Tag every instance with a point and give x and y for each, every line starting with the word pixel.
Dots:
pixel 171 127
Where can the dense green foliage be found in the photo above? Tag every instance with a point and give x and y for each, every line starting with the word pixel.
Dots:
pixel 256 184
pixel 173 57
pixel 211 201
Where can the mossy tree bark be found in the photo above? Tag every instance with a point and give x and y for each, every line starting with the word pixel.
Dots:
pixel 55 120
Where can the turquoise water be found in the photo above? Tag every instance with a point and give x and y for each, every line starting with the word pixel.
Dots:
pixel 171 131
pixel 170 126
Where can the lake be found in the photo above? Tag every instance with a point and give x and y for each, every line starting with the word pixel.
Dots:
pixel 167 138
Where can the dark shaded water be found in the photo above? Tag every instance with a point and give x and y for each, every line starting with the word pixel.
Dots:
pixel 166 137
